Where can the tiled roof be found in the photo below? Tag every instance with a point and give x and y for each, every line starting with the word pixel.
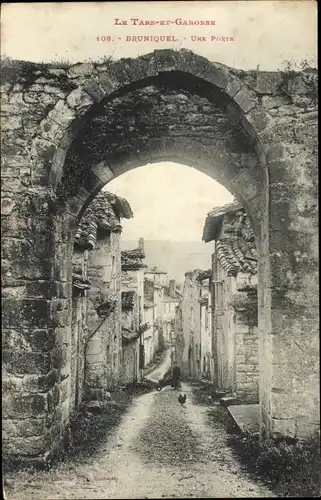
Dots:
pixel 128 299
pixel 235 245
pixel 236 250
pixel 155 270
pixel 237 255
pixel 215 217
pixel 132 259
pixel 104 213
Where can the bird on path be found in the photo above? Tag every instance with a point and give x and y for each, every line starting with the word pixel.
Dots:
pixel 182 399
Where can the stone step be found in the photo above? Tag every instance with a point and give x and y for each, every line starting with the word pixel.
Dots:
pixel 247 417
pixel 229 400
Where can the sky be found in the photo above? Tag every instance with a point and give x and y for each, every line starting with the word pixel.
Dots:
pixel 266 33
pixel 169 201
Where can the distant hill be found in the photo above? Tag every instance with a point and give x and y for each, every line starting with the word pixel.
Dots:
pixel 175 257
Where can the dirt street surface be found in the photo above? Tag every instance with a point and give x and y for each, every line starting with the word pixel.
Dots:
pixel 160 449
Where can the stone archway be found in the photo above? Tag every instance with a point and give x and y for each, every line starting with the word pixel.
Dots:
pixel 257 156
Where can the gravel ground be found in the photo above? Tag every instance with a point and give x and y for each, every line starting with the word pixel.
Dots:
pixel 160 449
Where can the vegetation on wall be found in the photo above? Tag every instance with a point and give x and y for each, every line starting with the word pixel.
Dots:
pixel 246 304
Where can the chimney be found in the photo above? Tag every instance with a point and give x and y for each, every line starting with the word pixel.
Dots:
pixel 172 287
pixel 141 244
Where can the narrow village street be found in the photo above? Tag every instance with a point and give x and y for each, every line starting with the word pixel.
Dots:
pixel 160 449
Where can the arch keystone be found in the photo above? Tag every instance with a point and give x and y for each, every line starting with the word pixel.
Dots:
pixel 192 63
pixel 138 69
pixel 217 75
pixel 166 60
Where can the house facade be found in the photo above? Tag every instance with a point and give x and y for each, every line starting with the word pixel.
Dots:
pixel 96 336
pixel 190 327
pixel 130 316
pixel 155 283
pixel 205 302
pixel 153 316
pixel 234 301
pixel 171 300
pixel 132 285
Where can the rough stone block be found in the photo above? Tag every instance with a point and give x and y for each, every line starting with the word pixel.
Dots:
pixel 11 383
pixel 260 120
pixel 7 205
pixel 65 390
pixel 62 114
pixel 268 83
pixel 35 313
pixel 217 75
pixel 27 446
pixel 26 362
pixel 278 152
pixel 59 357
pixel 234 85
pixel 80 70
pixel 53 397
pixel 23 428
pixel 283 427
pixel 103 172
pixel 35 383
pixel 24 406
pixel 108 83
pixel 240 377
pixel 94 90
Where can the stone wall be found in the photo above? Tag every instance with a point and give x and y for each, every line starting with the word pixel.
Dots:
pixel 191 327
pixel 265 150
pixel 247 362
pixel 79 333
pixel 130 363
pixel 104 347
pixel 237 343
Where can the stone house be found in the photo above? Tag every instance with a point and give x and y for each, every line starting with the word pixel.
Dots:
pixel 130 373
pixel 151 335
pixel 178 337
pixel 96 305
pixel 132 280
pixel 205 302
pixel 155 282
pixel 171 300
pixel 234 301
pixel 191 326
pixel 153 306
